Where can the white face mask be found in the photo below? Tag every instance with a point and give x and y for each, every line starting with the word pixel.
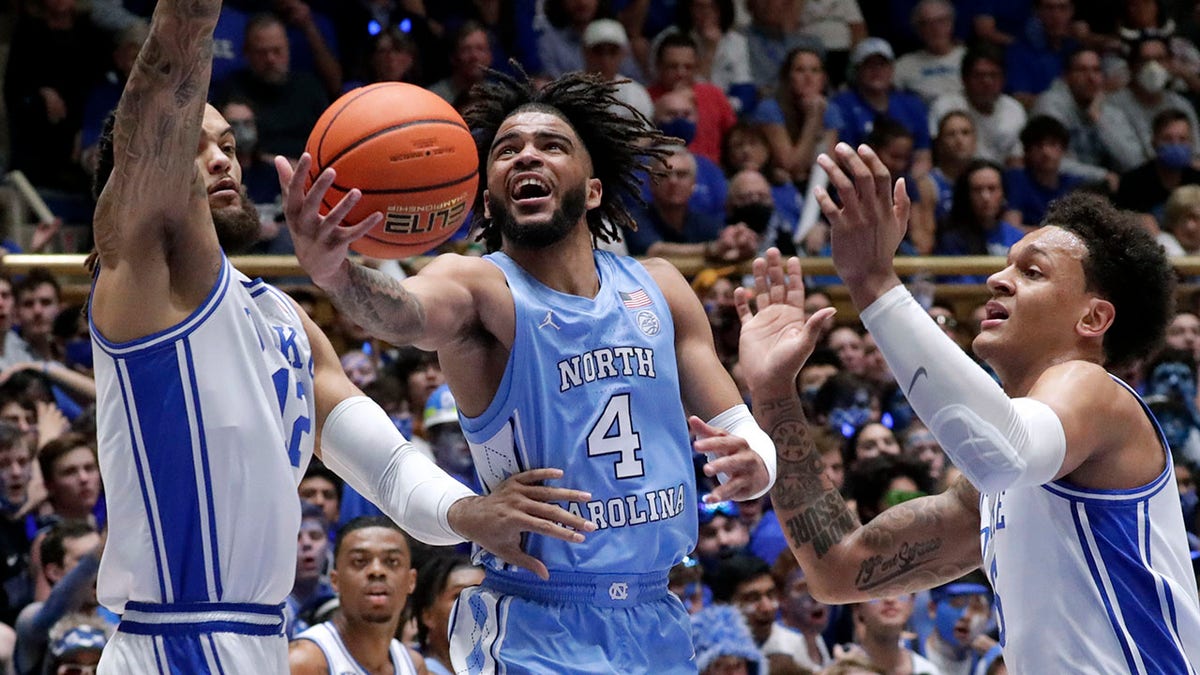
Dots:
pixel 1153 77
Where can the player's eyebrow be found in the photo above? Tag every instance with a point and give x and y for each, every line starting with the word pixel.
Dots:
pixel 539 135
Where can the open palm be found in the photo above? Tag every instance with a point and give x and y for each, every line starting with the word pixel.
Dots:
pixel 777 336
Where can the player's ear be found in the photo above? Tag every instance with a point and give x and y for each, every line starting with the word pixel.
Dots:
pixel 412 581
pixel 333 581
pixel 595 190
pixel 1098 319
pixel 487 211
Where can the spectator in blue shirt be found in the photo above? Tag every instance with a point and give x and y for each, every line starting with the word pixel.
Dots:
pixel 872 94
pixel 1042 180
pixel 1040 54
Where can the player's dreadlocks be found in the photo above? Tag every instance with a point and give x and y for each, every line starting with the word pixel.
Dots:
pixel 618 146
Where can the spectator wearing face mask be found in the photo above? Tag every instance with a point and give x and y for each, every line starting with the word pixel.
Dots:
pixel 1146 188
pixel 1133 138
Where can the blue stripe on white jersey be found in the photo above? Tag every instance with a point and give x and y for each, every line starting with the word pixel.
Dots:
pixel 1109 565
pixel 204 430
pixel 181 488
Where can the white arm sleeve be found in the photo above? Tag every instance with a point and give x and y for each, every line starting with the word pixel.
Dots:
pixel 739 422
pixel 997 442
pixel 360 444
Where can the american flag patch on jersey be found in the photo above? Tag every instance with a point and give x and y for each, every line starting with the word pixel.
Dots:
pixel 636 299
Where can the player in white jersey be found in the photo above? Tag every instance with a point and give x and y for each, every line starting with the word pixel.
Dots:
pixel 373 575
pixel 212 389
pixel 1069 507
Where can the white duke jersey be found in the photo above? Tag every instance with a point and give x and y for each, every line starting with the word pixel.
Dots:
pixel 204 430
pixel 592 387
pixel 1092 581
pixel 338 658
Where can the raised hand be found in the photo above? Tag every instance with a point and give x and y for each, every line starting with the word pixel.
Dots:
pixel 869 226
pixel 521 504
pixel 777 337
pixel 322 242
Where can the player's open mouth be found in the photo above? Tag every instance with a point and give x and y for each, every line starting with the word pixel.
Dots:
pixel 995 315
pixel 530 190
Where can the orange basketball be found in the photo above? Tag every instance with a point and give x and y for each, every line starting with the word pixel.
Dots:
pixel 411 155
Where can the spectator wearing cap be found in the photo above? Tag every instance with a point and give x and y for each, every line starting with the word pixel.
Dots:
pixel 560 43
pixel 872 93
pixel 723 643
pixel 76 643
pixel 605 47
pixel 1031 189
pixel 311 588
pixel 998 117
pixel 444 433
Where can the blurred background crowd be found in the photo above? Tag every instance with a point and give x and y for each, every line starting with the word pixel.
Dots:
pixel 990 109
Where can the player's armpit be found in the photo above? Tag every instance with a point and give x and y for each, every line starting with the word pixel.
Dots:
pixel 306 658
pixel 156 131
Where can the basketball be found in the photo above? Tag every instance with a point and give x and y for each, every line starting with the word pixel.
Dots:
pixel 410 154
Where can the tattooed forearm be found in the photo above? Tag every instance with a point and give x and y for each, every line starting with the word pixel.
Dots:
pixel 823 524
pixel 381 305
pixel 810 508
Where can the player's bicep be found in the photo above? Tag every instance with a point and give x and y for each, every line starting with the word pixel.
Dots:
pixel 706 387
pixel 912 546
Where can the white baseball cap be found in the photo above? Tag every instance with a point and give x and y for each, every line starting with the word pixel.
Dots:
pixel 605 31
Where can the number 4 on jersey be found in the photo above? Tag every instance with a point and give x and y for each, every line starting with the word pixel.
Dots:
pixel 613 434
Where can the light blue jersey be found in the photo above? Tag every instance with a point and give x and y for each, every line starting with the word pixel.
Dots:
pixel 592 388
pixel 1092 581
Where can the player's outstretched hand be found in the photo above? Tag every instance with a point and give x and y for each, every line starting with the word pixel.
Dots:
pixel 522 503
pixel 869 226
pixel 777 337
pixel 321 242
pixel 743 472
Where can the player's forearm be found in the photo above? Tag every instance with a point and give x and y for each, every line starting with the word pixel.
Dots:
pixel 378 303
pixel 814 516
pixel 159 114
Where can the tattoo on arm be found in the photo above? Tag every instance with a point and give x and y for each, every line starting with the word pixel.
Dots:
pixel 158 118
pixel 810 508
pixel 905 561
pixel 378 302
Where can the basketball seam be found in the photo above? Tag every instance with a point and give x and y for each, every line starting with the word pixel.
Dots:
pixel 422 188
pixel 397 127
pixel 325 132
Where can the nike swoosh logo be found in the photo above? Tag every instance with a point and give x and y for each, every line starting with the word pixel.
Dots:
pixel 920 371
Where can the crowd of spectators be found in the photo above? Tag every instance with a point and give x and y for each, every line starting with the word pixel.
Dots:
pixel 989 110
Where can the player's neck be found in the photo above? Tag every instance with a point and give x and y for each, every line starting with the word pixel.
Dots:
pixel 1017 379
pixel 368 642
pixel 567 266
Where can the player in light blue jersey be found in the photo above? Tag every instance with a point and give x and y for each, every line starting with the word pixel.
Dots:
pixel 560 355
pixel 1069 507
pixel 212 389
